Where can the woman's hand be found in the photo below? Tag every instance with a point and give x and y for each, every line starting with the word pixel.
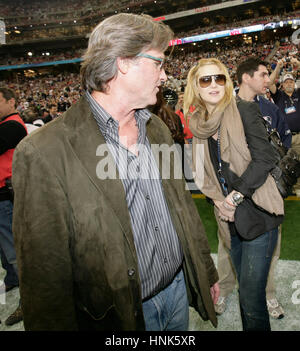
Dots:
pixel 226 210
pixel 227 207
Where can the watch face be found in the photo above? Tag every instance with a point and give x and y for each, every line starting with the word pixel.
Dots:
pixel 237 198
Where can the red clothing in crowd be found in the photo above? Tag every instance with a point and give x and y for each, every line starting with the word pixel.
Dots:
pixel 186 130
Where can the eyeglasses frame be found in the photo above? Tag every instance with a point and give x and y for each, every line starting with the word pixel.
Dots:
pixel 157 59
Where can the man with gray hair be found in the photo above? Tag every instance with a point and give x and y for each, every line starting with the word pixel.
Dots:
pixel 110 248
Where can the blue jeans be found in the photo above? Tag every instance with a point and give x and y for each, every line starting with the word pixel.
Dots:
pixel 7 251
pixel 169 309
pixel 252 261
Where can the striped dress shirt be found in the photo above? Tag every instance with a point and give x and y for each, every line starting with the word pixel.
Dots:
pixel 157 245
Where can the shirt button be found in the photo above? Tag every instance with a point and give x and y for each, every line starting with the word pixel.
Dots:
pixel 156 229
pixel 131 272
pixel 148 197
pixel 165 260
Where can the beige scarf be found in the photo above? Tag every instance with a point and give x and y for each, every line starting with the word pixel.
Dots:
pixel 234 150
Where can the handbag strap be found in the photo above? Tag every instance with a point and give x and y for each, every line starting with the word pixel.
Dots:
pixel 220 175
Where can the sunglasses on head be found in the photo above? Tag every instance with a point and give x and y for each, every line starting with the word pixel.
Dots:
pixel 205 81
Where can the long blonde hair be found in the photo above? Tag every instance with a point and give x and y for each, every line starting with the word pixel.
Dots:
pixel 191 93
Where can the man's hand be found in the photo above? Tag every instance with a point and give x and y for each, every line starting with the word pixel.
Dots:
pixel 275 75
pixel 215 292
pixel 280 64
pixel 295 63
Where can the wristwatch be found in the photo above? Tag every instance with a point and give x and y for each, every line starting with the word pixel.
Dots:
pixel 237 198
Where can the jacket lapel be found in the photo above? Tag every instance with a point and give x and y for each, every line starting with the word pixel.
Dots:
pixel 86 140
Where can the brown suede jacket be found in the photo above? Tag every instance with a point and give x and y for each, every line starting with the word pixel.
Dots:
pixel 75 250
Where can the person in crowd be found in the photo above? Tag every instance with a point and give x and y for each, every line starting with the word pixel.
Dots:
pixel 268 96
pixel 253 88
pixel 166 112
pixel 237 160
pixel 49 113
pixel 115 246
pixel 12 131
pixel 288 101
pixel 169 117
pixel 253 79
pixel 44 114
pixel 188 135
pixel 170 96
pixel 31 119
pixel 52 113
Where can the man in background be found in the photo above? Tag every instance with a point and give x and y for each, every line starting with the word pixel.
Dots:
pixel 288 100
pixel 12 131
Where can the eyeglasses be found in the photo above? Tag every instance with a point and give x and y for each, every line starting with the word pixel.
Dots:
pixel 205 81
pixel 157 59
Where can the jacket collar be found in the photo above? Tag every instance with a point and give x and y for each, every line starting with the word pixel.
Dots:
pixel 12 114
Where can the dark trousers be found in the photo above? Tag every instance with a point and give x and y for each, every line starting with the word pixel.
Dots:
pixel 7 249
pixel 11 277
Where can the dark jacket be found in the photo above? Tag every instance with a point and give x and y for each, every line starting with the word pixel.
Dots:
pixel 75 249
pixel 277 119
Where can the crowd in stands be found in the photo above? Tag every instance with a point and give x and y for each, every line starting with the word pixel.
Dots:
pixel 36 12
pixel 73 22
pixel 60 91
pixel 46 33
pixel 64 89
pixel 179 65
pixel 37 9
pixel 45 56
pixel 85 29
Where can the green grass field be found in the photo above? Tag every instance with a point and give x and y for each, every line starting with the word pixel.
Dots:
pixel 290 245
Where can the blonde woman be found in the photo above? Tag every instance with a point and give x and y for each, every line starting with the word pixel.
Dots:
pixel 237 163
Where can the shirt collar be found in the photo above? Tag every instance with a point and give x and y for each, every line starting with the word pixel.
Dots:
pixel 104 118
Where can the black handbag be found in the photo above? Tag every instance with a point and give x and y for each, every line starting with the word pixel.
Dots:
pixel 248 220
pixel 287 169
